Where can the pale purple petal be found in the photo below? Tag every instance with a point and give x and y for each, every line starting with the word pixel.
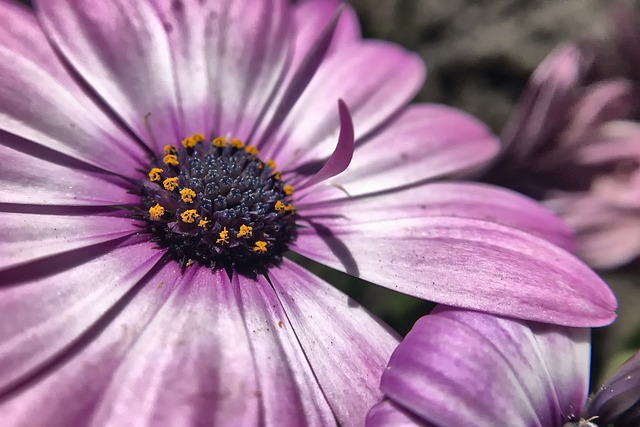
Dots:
pixel 608 236
pixel 290 392
pixel 345 346
pixel 48 305
pixel 618 400
pixel 375 79
pixel 424 142
pixel 342 154
pixel 454 199
pixel 313 16
pixel 28 237
pixel 121 49
pixel 460 367
pixel 228 57
pixel 29 180
pixel 41 102
pixel 191 365
pixel 74 384
pixel 550 92
pixel 386 413
pixel 466 263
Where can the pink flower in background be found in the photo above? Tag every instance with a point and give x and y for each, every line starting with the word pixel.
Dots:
pixel 159 160
pixel 574 142
pixel 459 367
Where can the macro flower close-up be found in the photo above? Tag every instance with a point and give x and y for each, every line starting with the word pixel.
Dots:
pixel 161 162
pixel 460 367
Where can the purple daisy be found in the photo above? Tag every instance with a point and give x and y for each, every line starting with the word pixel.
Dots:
pixel 574 142
pixel 462 368
pixel 160 159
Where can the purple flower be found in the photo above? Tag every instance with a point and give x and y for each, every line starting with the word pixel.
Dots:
pixel 459 368
pixel 574 142
pixel 159 160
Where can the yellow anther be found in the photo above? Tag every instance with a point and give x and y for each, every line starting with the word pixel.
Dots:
pixel 189 216
pixel 288 190
pixel 245 231
pixel 154 174
pixel 170 183
pixel 220 141
pixel 279 206
pixel 271 164
pixel 289 207
pixel 204 222
pixel 156 212
pixel 276 175
pixel 169 149
pixel 171 159
pixel 260 246
pixel 251 150
pixel 236 143
pixel 223 236
pixel 187 195
pixel 193 140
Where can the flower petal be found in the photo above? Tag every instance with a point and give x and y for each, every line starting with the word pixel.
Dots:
pixel 466 263
pixel 342 154
pixel 346 347
pixel 373 88
pixel 386 413
pixel 28 237
pixel 290 393
pixel 32 181
pixel 459 367
pixel 618 400
pixel 453 199
pixel 52 306
pixel 228 58
pixel 424 142
pixel 191 365
pixel 120 48
pixel 312 17
pixel 550 90
pixel 41 102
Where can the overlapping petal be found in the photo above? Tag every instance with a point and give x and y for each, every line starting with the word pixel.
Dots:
pixel 440 199
pixel 346 347
pixel 460 367
pixel 466 263
pixel 49 305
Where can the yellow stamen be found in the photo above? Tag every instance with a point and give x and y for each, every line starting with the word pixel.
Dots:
pixel 288 190
pixel 251 150
pixel 223 236
pixel 260 246
pixel 193 140
pixel 169 149
pixel 279 206
pixel 171 159
pixel 204 223
pixel 271 164
pixel 170 183
pixel 156 212
pixel 276 175
pixel 220 141
pixel 245 231
pixel 236 143
pixel 187 195
pixel 289 208
pixel 189 216
pixel 154 174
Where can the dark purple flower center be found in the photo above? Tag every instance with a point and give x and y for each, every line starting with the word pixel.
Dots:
pixel 217 204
